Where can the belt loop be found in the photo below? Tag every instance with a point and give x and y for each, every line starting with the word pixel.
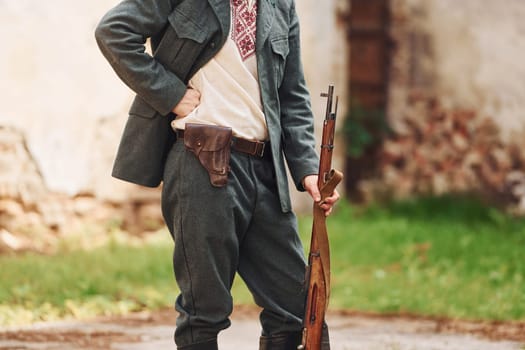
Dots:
pixel 260 148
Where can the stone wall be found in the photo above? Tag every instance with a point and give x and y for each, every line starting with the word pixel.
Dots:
pixel 35 218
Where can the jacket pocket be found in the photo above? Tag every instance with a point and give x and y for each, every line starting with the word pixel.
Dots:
pixel 181 43
pixel 185 27
pixel 280 51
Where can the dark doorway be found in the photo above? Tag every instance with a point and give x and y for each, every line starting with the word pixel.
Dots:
pixel 366 123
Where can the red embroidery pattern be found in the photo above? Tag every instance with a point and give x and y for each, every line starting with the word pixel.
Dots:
pixel 244 28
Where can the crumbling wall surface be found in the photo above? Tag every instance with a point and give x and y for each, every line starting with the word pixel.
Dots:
pixel 480 51
pixel 456 100
pixel 468 53
pixel 34 218
pixel 61 114
pixel 56 86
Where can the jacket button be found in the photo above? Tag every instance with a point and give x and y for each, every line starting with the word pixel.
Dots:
pixel 212 44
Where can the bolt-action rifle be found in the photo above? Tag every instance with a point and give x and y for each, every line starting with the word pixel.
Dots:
pixel 318 270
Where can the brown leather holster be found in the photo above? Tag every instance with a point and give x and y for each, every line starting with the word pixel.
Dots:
pixel 212 146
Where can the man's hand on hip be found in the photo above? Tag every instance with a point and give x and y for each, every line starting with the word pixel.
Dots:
pixel 310 185
pixel 188 103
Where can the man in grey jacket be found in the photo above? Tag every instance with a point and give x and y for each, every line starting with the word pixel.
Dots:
pixel 219 107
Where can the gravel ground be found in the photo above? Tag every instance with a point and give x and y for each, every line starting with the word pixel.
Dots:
pixel 348 332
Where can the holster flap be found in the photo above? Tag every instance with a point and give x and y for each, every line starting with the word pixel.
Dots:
pixel 209 138
pixel 211 144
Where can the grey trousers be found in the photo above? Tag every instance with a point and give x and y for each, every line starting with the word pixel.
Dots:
pixel 221 231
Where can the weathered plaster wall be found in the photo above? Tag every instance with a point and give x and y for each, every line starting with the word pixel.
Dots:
pixel 61 93
pixel 480 50
pixel 456 100
pixel 56 87
pixel 468 53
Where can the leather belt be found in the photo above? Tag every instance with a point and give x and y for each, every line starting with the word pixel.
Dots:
pixel 252 148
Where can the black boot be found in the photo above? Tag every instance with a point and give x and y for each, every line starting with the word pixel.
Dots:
pixel 206 345
pixel 290 341
pixel 283 341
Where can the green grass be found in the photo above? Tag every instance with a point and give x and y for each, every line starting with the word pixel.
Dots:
pixel 114 279
pixel 445 257
pixel 442 256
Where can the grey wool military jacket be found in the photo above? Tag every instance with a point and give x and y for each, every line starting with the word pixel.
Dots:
pixel 185 34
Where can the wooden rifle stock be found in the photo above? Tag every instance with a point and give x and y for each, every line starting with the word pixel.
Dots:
pixel 318 270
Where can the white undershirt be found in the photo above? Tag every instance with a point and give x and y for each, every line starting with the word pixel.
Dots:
pixel 230 95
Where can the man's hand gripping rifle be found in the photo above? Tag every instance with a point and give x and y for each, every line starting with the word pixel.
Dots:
pixel 318 271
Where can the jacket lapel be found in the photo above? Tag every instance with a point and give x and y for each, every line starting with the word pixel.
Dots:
pixel 265 15
pixel 223 12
